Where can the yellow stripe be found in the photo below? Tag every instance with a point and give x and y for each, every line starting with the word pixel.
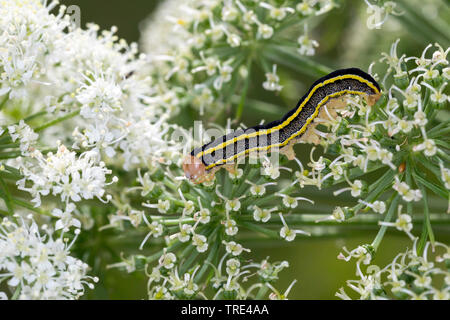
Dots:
pixel 288 120
pixel 302 129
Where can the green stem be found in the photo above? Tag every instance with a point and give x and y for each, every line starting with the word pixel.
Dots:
pixel 30 207
pixel 428 228
pixel 17 292
pixel 34 115
pixel 171 222
pixel 308 219
pixel 58 120
pixel 240 108
pixel 261 292
pixel 15 154
pixel 7 197
pixel 379 187
pixel 393 205
pixel 3 103
pixel 211 256
pixel 257 228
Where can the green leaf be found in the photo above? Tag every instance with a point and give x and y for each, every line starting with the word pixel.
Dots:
pixel 254 227
pixel 427 222
pixel 430 30
pixel 390 214
pixel 288 57
pixel 438 190
pixel 6 196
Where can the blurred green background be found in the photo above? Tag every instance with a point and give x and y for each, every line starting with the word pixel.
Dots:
pixel 344 41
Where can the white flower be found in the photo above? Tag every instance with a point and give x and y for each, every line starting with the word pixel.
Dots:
pixel 155 229
pixel 204 215
pixel 229 12
pixel 163 205
pixel 406 192
pixel 356 188
pixel 271 170
pixel 420 118
pixel 233 266
pixel 307 45
pixel 167 260
pixel 27 137
pixel 185 232
pixel 63 173
pixel 379 14
pixel 360 253
pixel 306 7
pixel 338 214
pixel 41 265
pixel 230 227
pixel 224 76
pixel 234 248
pixel 287 233
pixel 445 175
pixel 429 147
pixel 99 97
pixel 265 31
pixel 272 80
pixel 66 219
pixel 200 241
pixel 262 215
pixel 232 205
pixel 403 223
pixel 275 12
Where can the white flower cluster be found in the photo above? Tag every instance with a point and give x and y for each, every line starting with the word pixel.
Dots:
pixel 397 133
pixel 226 280
pixel 204 46
pixel 379 11
pixel 408 276
pixel 88 76
pixel 65 175
pixel 27 31
pixel 25 135
pixel 39 265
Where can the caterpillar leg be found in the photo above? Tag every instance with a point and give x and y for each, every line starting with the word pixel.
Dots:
pixel 231 168
pixel 310 136
pixel 372 98
pixel 327 113
pixel 332 106
pixel 288 151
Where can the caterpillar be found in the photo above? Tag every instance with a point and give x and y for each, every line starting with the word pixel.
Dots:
pixel 201 164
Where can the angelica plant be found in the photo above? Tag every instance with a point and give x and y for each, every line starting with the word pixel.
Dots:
pixel 38 265
pixel 400 137
pixel 408 276
pixel 210 47
pixel 93 133
pixel 54 72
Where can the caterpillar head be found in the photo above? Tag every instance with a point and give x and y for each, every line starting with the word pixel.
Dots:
pixel 194 169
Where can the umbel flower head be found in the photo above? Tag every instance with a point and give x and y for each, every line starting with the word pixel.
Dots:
pixel 86 118
pixel 202 222
pixel 52 71
pixel 408 276
pixel 38 265
pixel 400 137
pixel 206 47
pixel 200 227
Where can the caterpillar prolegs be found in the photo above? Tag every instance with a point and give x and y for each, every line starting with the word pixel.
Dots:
pixel 202 163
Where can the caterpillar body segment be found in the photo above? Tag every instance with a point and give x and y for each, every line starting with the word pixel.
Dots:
pixel 282 134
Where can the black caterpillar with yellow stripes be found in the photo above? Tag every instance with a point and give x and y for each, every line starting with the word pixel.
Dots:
pixel 203 161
